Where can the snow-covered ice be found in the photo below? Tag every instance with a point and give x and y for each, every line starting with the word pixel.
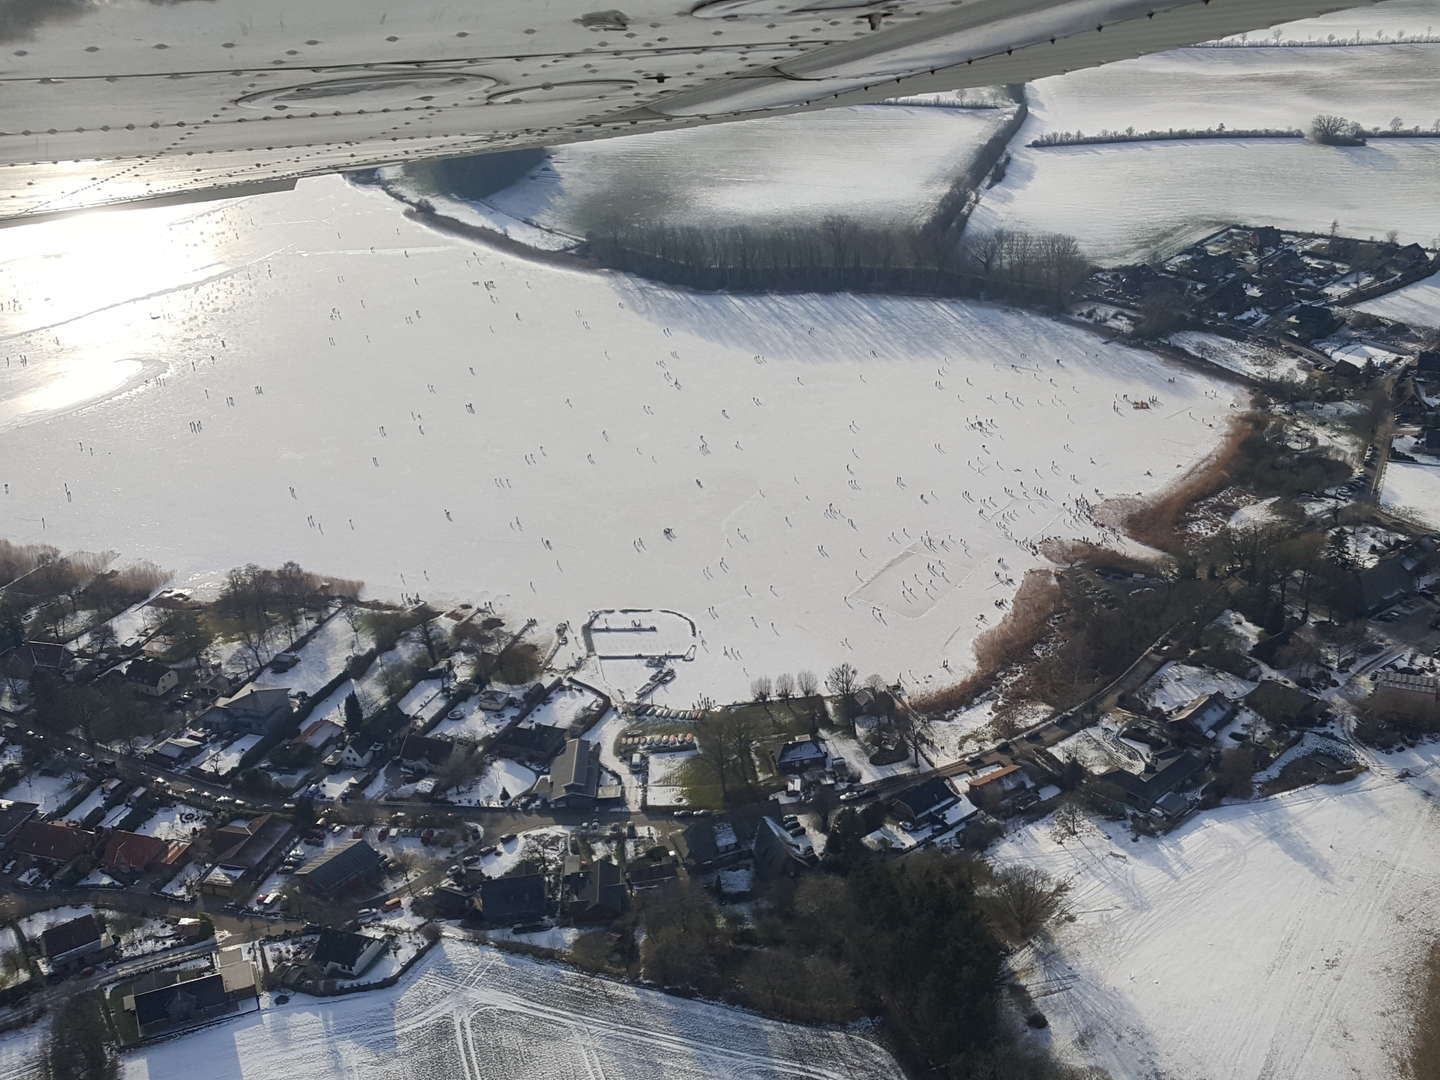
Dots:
pixel 846 477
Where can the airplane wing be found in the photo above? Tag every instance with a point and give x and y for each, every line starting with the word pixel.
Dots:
pixel 120 101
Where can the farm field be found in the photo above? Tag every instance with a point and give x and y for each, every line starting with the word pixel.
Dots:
pixel 1268 939
pixel 1418 304
pixel 384 403
pixel 469 1012
pixel 877 163
pixel 1125 202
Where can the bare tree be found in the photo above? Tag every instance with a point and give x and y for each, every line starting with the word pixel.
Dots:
pixel 761 688
pixel 841 680
pixel 784 686
pixel 807 683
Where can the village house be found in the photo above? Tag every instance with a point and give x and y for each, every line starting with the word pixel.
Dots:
pixel 56 845
pixel 354 756
pixel 923 804
pixel 339 952
pixel 13 817
pixel 341 869
pixel 1285 705
pixel 1201 718
pixel 127 855
pixel 24 660
pixel 575 776
pixel 651 870
pixel 245 852
pixel 252 712
pixel 1000 785
pixel 535 744
pixel 175 750
pixel 150 677
pixel 593 892
pixel 165 1002
pixel 421 753
pixel 1154 789
pixel 704 846
pixel 69 946
pixel 318 734
pixel 514 900
pixel 778 853
pixel 802 757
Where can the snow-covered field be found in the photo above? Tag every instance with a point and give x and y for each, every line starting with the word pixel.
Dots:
pixel 1264 940
pixel 846 477
pixel 468 1012
pixel 1418 304
pixel 1413 488
pixel 875 163
pixel 1245 88
pixel 1125 201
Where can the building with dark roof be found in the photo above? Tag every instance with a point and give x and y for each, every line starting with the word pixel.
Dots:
pixel 339 952
pixel 70 945
pixel 341 869
pixel 244 853
pixel 535 743
pixel 24 660
pixel 779 854
pixel 13 817
pixel 923 803
pixel 575 775
pixel 1204 716
pixel 151 677
pixel 595 892
pixel 55 843
pixel 802 756
pixel 510 900
pixel 253 712
pixel 655 868
pixel 423 753
pixel 1162 776
pixel 1281 704
pixel 164 1003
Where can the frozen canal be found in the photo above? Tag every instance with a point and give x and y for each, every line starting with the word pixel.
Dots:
pixel 313 376
pixel 473 1013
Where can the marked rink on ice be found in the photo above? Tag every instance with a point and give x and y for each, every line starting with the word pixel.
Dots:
pixel 338 385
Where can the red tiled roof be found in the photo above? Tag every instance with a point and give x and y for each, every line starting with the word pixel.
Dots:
pixel 127 852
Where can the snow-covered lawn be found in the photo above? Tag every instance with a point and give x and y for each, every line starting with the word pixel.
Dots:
pixel 502 780
pixel 1414 489
pixel 1268 939
pixel 49 793
pixel 226 759
pixel 471 1011
pixel 178 822
pixel 321 659
pixel 1246 357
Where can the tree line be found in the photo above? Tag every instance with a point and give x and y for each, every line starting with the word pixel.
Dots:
pixel 1130 134
pixel 842 254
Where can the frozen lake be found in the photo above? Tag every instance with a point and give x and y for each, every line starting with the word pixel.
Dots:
pixel 312 376
pixel 474 1013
